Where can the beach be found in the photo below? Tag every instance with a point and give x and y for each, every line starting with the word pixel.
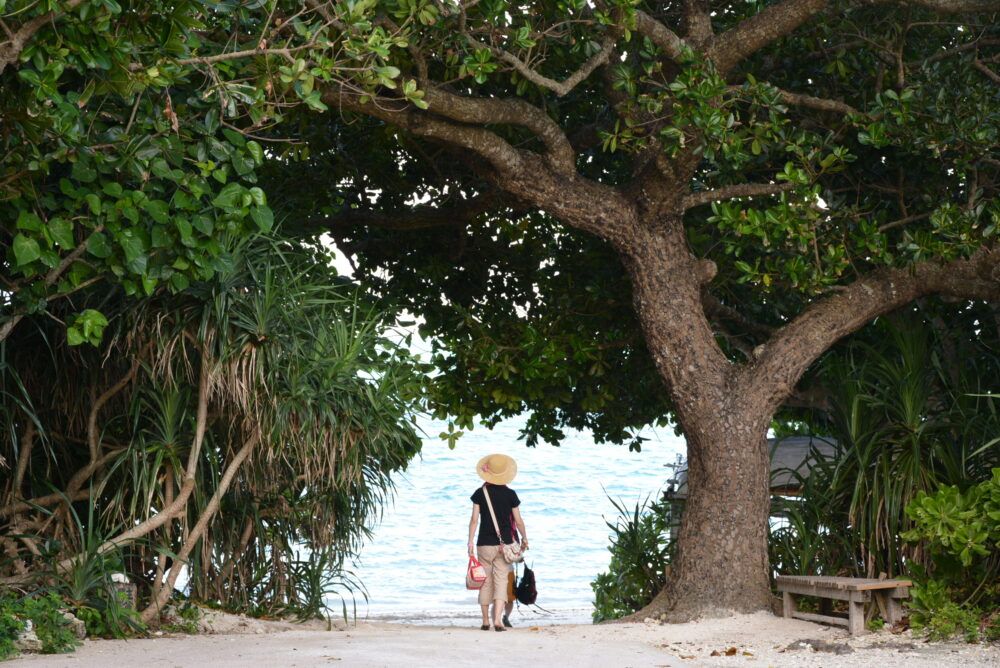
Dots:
pixel 745 640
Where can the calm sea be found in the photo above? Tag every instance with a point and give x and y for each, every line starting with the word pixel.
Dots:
pixel 414 568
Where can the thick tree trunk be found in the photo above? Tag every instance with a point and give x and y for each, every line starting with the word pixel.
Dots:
pixel 721 563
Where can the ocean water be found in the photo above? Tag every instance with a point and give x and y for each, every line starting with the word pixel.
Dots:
pixel 414 567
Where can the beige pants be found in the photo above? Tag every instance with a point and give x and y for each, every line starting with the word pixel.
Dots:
pixel 497 569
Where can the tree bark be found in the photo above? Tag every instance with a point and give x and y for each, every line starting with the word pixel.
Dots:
pixel 720 565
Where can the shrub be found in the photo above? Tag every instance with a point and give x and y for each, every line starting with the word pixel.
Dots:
pixel 10 626
pixel 961 532
pixel 640 552
pixel 948 621
pixel 46 612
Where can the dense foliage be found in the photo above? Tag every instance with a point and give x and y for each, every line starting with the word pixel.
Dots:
pixel 244 430
pixel 881 174
pixel 47 621
pixel 641 545
pixel 237 412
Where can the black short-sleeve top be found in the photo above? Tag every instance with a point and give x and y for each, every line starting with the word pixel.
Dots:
pixel 504 501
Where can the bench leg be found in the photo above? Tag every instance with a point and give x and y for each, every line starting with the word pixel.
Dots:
pixel 787 604
pixel 856 618
pixel 893 609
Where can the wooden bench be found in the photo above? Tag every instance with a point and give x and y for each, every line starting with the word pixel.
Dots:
pixel 856 591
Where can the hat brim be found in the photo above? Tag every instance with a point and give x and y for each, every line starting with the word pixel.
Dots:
pixel 497 478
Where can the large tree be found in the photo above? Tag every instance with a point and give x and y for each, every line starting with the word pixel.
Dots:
pixel 770 176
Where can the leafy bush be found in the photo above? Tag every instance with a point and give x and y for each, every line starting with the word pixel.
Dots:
pixel 961 532
pixel 961 529
pixel 950 620
pixel 86 583
pixel 640 552
pixel 10 626
pixel 188 615
pixel 46 612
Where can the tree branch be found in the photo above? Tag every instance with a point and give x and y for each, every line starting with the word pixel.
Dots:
pixel 736 190
pixel 697 21
pixel 72 488
pixel 506 111
pixel 659 34
pixel 93 438
pixel 756 32
pixel 560 88
pixel 171 510
pixel 501 155
pixel 903 221
pixel 50 279
pixel 717 310
pixel 11 50
pixel 527 175
pixel 817 103
pixel 798 344
pixel 198 531
pixel 993 76
pixel 944 55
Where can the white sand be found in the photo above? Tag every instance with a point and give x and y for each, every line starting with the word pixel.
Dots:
pixel 759 640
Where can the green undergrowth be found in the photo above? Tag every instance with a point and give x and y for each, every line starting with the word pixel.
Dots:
pixel 46 613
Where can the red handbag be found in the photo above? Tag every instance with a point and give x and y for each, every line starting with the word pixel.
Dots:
pixel 475 576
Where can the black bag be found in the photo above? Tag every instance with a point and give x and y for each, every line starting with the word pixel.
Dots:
pixel 525 592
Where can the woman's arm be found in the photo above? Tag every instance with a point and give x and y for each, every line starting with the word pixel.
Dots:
pixel 520 528
pixel 472 527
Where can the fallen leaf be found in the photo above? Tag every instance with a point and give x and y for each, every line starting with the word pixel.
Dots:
pixel 715 652
pixel 745 653
pixel 731 651
pixel 682 656
pixel 534 628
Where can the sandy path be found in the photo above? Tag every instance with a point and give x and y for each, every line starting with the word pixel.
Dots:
pixel 758 639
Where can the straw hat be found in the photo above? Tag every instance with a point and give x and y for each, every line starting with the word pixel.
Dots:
pixel 497 469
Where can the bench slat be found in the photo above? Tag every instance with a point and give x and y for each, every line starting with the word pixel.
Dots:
pixel 804 589
pixel 842 583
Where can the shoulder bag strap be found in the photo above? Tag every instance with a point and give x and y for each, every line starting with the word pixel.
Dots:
pixel 496 525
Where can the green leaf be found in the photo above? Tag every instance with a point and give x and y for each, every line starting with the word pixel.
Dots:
pixel 179 282
pixel 159 236
pixel 113 190
pixel 26 250
pixel 73 336
pixel 98 245
pixel 256 151
pixel 229 197
pixel 204 224
pixel 148 285
pixel 258 196
pixel 62 232
pixel 28 220
pixel 263 217
pixel 157 209
pixel 94 202
pixel 82 171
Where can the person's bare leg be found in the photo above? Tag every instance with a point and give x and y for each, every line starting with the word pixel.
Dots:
pixel 486 614
pixel 507 609
pixel 498 612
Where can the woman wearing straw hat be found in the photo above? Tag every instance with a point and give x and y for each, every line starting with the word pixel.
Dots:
pixel 497 471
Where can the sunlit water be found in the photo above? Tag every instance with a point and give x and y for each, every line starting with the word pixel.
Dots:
pixel 414 568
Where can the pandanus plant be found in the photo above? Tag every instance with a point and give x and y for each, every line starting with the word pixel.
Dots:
pixel 236 440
